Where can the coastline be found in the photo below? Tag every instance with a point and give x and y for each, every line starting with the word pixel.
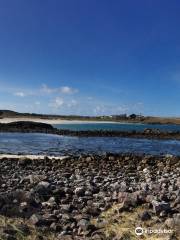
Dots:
pixel 56 121
pixel 31 157
pixel 39 127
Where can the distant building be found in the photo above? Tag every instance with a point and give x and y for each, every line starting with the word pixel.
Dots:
pixel 119 117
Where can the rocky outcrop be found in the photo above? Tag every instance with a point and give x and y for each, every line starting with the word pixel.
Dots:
pixel 23 126
pixel 37 127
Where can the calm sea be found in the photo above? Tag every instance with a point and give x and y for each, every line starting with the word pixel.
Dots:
pixel 23 143
pixel 117 126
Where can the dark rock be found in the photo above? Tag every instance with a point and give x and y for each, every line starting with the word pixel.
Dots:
pixel 55 227
pixel 145 216
pixel 24 162
pixel 66 208
pixel 85 226
pixel 93 211
pixel 80 191
pixel 36 219
pixel 158 207
pixel 43 190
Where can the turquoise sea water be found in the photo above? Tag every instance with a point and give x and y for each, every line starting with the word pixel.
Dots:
pixel 117 126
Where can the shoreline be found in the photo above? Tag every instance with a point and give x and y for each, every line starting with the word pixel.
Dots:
pixel 31 156
pixel 58 121
pixel 153 121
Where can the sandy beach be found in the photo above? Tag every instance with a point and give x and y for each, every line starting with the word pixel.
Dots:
pixel 53 121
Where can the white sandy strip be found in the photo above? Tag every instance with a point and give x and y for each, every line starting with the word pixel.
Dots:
pixel 32 157
pixel 54 121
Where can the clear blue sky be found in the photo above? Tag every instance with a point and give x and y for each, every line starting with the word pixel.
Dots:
pixel 90 56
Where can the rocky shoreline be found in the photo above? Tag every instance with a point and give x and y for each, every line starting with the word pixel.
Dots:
pixel 35 127
pixel 85 197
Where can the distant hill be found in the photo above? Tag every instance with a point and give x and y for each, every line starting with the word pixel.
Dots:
pixel 13 114
pixel 8 113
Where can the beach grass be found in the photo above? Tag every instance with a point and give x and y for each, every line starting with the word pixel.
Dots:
pixel 14 223
pixel 122 225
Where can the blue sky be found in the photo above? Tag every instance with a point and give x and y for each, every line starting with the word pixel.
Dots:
pixel 90 57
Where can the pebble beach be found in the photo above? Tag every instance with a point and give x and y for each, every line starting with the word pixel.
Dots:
pixel 89 196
